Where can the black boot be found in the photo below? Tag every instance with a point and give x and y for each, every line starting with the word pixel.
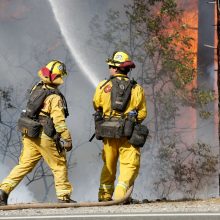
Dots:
pixel 105 200
pixel 132 201
pixel 3 197
pixel 66 199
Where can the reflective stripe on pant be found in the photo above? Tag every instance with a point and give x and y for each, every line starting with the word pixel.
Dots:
pixel 33 150
pixel 129 158
pixel 105 192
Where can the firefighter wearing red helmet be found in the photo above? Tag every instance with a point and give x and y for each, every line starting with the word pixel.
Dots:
pixel 46 110
pixel 120 108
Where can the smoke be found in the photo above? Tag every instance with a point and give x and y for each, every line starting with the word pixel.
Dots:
pixel 73 19
pixel 24 49
pixel 28 41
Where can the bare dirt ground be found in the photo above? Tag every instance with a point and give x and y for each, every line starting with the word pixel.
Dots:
pixel 210 205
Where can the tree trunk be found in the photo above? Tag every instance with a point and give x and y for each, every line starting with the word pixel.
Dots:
pixel 218 70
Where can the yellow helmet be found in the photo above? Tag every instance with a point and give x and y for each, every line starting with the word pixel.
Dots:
pixel 53 72
pixel 120 59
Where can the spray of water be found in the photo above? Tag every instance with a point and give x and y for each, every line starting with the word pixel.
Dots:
pixel 78 57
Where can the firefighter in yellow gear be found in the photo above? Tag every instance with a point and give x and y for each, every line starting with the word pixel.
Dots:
pixel 34 148
pixel 118 148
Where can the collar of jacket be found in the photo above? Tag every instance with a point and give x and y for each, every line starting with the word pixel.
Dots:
pixel 119 75
pixel 49 86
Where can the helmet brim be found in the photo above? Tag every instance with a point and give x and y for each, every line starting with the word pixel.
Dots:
pixel 111 63
pixel 129 64
pixel 65 73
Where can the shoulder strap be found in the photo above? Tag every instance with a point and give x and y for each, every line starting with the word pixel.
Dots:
pixel 110 78
pixel 134 82
pixel 66 112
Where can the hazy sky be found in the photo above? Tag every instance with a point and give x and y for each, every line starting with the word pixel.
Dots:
pixel 32 33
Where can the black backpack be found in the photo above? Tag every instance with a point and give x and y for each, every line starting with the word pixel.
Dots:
pixel 29 123
pixel 36 100
pixel 121 93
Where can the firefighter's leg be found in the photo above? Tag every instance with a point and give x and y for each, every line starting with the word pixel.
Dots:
pixel 58 165
pixel 129 158
pixel 28 159
pixel 108 174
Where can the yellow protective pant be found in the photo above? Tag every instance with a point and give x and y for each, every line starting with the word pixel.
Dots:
pixel 33 150
pixel 129 158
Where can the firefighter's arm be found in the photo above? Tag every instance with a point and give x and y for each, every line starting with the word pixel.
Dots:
pixel 141 104
pixel 97 97
pixel 58 117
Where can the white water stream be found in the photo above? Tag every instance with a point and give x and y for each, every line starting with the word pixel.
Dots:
pixel 62 21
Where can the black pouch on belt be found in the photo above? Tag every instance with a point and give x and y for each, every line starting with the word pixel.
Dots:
pixel 139 135
pixel 98 118
pixel 29 127
pixel 110 128
pixel 48 125
pixel 128 127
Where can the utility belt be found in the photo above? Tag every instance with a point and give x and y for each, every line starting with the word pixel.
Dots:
pixel 110 128
pixel 121 127
pixel 32 128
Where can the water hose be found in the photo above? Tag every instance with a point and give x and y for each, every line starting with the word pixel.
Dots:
pixel 67 205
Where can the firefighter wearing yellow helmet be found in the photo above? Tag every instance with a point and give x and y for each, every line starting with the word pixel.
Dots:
pixel 53 73
pixel 49 113
pixel 120 108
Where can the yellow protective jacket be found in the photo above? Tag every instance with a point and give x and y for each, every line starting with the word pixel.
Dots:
pixel 53 105
pixel 102 99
